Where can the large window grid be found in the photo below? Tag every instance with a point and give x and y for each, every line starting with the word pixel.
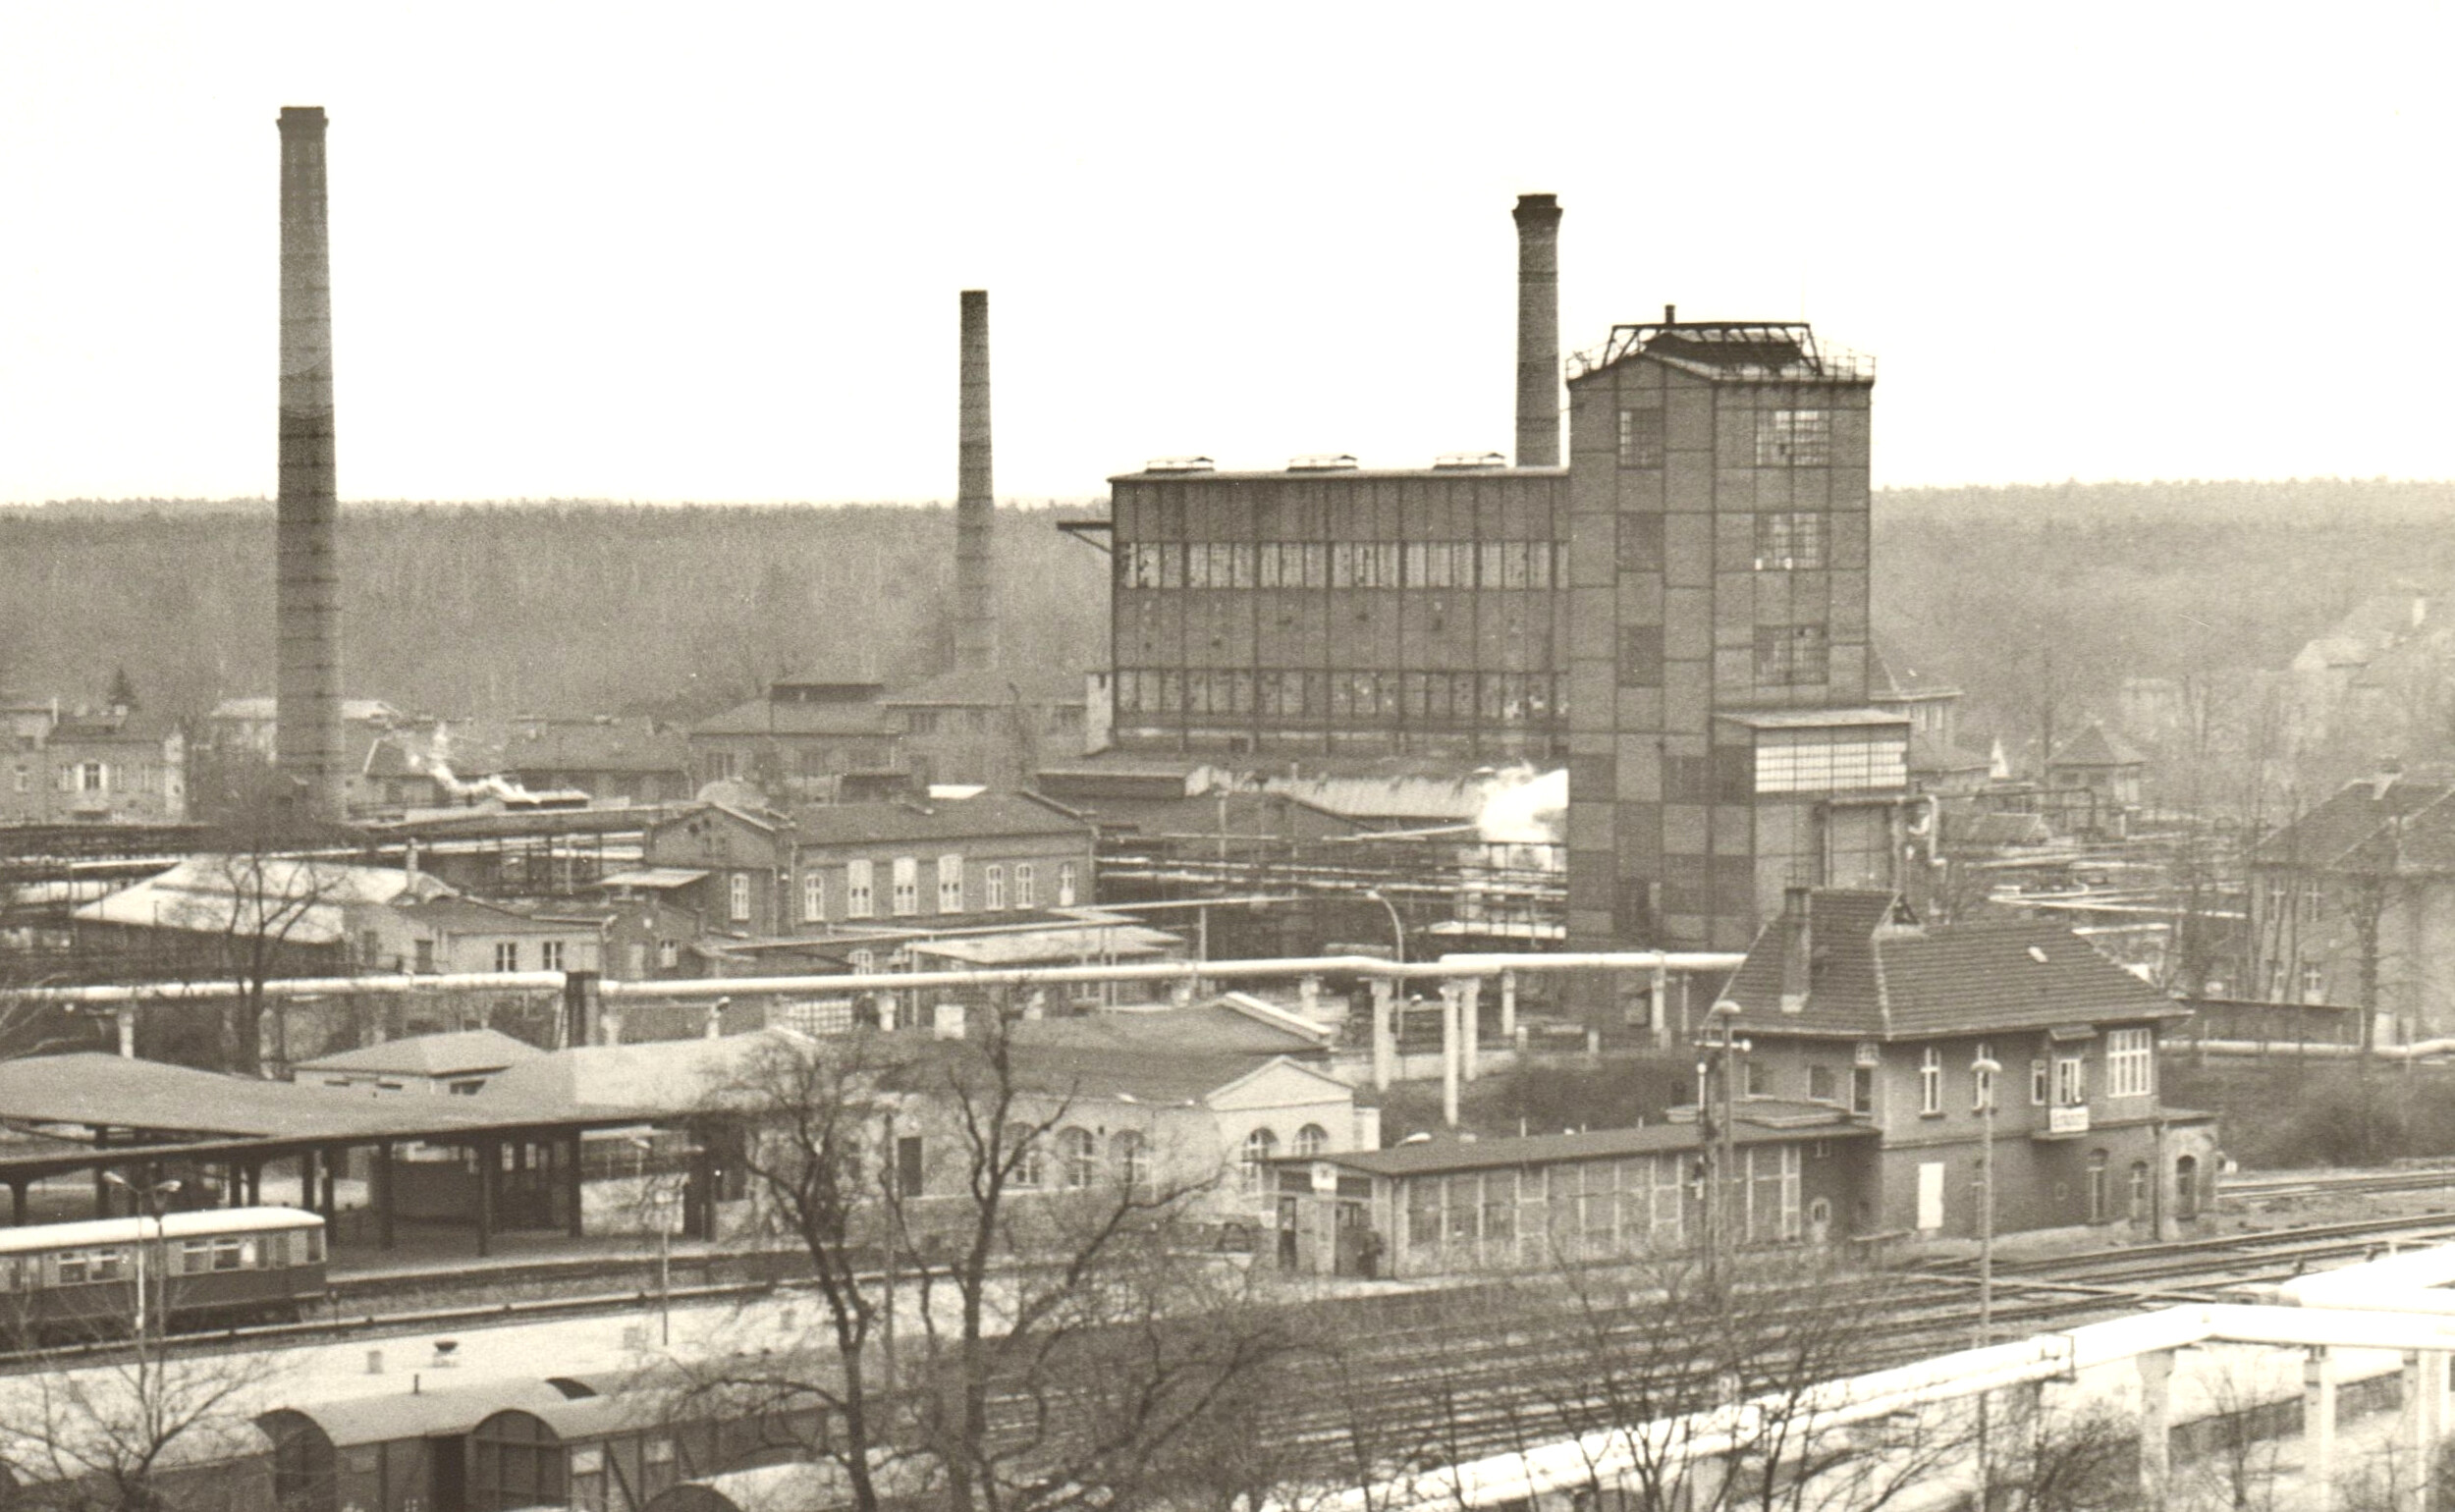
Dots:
pixel 1789 539
pixel 1641 438
pixel 1516 563
pixel 1831 759
pixel 1793 438
pixel 1348 695
pixel 1792 655
pixel 1587 1208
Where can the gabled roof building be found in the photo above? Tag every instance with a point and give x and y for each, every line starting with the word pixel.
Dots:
pixel 1845 1002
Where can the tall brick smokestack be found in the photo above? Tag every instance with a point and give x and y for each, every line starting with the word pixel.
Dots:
pixel 308 596
pixel 1538 331
pixel 975 505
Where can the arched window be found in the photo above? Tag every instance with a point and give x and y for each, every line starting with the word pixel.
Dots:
pixel 1259 1147
pixel 1130 1153
pixel 514 1460
pixel 2187 1188
pixel 1312 1139
pixel 2138 1191
pixel 2097 1195
pixel 1030 1168
pixel 1078 1156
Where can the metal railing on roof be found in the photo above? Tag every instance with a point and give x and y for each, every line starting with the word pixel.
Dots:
pixel 1816 360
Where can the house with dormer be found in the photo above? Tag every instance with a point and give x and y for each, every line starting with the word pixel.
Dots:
pixel 1847 1004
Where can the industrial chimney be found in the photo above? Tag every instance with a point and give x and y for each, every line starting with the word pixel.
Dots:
pixel 975 506
pixel 1538 331
pixel 306 594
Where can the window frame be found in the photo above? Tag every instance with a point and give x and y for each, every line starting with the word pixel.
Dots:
pixel 1931 1082
pixel 861 889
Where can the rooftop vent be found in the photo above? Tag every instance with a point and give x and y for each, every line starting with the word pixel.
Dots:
pixel 1323 461
pixel 1465 461
pixel 1181 464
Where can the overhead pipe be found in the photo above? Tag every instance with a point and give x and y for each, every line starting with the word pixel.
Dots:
pixel 1370 967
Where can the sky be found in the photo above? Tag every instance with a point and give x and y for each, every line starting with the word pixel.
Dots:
pixel 712 253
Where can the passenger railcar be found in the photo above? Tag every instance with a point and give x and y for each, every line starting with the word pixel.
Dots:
pixel 213 1268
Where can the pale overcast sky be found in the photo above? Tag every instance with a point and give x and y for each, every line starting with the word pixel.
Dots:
pixel 712 253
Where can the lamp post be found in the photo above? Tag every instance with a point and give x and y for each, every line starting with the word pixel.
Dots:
pixel 1398 927
pixel 663 1243
pixel 1989 1074
pixel 149 1200
pixel 1720 1020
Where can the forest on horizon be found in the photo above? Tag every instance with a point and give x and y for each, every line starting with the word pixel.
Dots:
pixel 576 608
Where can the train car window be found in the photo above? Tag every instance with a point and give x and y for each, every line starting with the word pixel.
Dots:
pixel 71 1269
pixel 227 1255
pixel 108 1265
pixel 314 1246
pixel 195 1256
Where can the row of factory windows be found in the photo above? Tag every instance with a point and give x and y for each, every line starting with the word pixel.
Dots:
pixel 1786 655
pixel 1594 1209
pixel 1428 697
pixel 1785 540
pixel 1524 563
pixel 1002 889
pixel 1784 438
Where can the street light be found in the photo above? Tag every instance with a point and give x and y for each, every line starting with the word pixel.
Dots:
pixel 1989 1074
pixel 1398 927
pixel 1722 1019
pixel 664 1244
pixel 150 1198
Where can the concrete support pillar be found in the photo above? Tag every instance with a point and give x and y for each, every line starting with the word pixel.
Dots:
pixel 575 1178
pixel 2319 1382
pixel 328 1164
pixel 2423 1426
pixel 1470 1026
pixel 2157 1407
pixel 886 1010
pixel 1451 994
pixel 1657 1010
pixel 488 1157
pixel 1308 996
pixel 124 1020
pixel 17 1204
pixel 1509 1005
pixel 1384 1036
pixel 306 1179
pixel 386 1195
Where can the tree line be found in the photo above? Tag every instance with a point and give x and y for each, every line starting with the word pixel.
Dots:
pixel 2023 596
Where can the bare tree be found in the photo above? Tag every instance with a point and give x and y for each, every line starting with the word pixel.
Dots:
pixel 1014 1323
pixel 150 1425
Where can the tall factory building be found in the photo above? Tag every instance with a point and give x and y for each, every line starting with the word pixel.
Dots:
pixel 1680 614
pixel 1328 610
pixel 1722 747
